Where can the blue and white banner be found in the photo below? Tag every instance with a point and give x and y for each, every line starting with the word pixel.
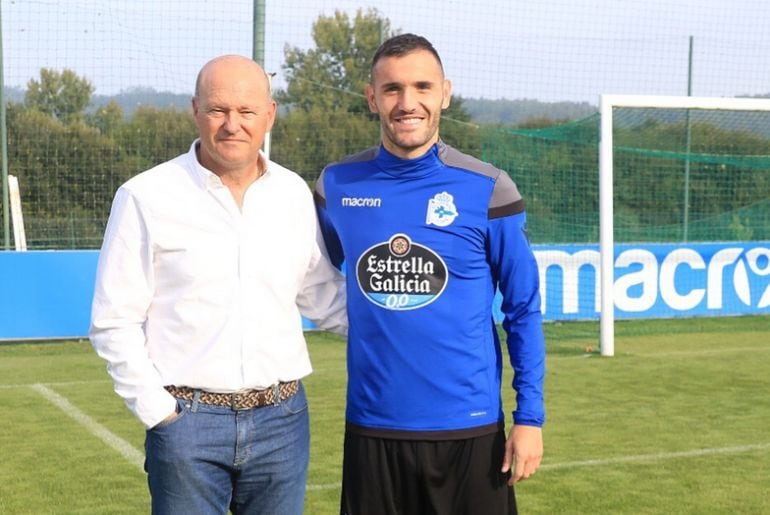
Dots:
pixel 47 294
pixel 657 280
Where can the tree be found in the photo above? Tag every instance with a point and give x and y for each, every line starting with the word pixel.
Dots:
pixel 325 113
pixel 457 129
pixel 64 96
pixel 305 141
pixel 155 135
pixel 107 118
pixel 68 172
pixel 333 75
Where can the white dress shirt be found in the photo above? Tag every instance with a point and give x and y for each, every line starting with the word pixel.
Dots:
pixel 193 291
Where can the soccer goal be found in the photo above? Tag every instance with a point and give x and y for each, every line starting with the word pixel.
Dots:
pixel 678 169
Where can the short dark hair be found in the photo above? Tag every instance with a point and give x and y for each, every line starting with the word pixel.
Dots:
pixel 403 44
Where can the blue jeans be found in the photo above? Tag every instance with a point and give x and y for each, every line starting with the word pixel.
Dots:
pixel 210 459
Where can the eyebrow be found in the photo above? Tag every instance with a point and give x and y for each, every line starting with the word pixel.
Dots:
pixel 419 84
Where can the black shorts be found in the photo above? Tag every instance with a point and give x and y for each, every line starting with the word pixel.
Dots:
pixel 382 476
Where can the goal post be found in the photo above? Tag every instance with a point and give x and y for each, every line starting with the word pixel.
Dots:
pixel 606 187
pixel 17 218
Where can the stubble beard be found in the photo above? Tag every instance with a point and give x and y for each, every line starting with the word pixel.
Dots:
pixel 410 141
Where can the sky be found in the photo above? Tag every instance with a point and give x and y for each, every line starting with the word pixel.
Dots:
pixel 562 50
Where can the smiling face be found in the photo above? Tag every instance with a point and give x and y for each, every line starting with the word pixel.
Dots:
pixel 233 111
pixel 408 93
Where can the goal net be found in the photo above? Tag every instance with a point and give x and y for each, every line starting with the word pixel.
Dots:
pixel 679 170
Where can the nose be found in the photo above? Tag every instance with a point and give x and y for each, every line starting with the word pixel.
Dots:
pixel 407 100
pixel 231 122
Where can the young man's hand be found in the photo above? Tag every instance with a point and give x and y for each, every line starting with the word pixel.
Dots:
pixel 523 452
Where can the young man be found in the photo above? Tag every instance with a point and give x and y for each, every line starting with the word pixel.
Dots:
pixel 207 262
pixel 427 235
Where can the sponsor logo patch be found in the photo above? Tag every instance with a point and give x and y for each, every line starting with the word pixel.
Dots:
pixel 399 274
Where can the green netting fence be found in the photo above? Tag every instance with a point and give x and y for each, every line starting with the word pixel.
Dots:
pixel 721 172
pixel 555 167
pixel 96 92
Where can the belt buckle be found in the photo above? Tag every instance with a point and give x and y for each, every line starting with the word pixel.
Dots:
pixel 234 405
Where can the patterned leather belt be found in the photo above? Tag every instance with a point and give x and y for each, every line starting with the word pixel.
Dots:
pixel 243 400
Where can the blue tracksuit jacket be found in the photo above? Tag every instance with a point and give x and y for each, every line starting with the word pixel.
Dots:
pixel 425 243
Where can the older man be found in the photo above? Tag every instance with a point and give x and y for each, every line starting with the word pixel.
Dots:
pixel 208 262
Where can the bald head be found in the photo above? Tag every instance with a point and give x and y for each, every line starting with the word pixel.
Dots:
pixel 232 68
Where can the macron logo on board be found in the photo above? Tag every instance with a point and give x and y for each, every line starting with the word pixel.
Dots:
pixel 361 202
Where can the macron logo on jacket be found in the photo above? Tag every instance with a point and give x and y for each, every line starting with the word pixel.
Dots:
pixel 361 202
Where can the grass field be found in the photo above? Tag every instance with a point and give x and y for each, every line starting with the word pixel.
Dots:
pixel 677 422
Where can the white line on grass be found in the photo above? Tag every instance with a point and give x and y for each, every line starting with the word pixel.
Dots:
pixel 137 458
pixel 327 486
pixel 133 456
pixel 60 383
pixel 705 352
pixel 658 456
pixel 625 459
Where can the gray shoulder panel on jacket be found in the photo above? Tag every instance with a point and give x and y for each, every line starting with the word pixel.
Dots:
pixel 506 199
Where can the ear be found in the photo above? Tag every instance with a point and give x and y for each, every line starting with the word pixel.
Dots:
pixel 369 92
pixel 447 94
pixel 271 112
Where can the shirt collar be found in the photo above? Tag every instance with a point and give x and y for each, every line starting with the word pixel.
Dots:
pixel 205 178
pixel 398 166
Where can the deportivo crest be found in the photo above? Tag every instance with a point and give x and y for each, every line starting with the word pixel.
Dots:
pixel 399 274
pixel 441 210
